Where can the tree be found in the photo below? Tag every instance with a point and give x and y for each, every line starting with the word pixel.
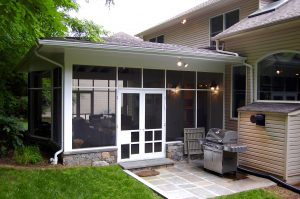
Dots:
pixel 22 22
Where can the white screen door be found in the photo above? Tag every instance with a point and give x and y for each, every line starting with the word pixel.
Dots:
pixel 141 125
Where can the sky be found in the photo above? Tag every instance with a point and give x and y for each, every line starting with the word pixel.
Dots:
pixel 132 16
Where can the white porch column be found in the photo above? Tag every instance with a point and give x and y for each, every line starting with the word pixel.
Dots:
pixel 67 93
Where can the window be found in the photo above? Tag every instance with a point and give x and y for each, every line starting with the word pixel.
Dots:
pixel 222 22
pixel 231 18
pixel 159 39
pixel 238 98
pixel 278 77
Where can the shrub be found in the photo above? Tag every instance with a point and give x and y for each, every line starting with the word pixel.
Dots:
pixel 11 134
pixel 28 155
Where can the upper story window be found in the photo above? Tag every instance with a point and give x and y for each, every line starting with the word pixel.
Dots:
pixel 278 77
pixel 159 39
pixel 222 22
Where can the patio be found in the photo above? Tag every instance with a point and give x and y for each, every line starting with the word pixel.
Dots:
pixel 190 181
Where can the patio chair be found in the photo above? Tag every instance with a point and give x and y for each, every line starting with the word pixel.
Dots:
pixel 191 141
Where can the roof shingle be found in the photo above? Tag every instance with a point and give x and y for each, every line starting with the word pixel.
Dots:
pixel 288 11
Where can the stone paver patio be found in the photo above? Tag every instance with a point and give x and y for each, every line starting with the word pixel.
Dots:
pixel 190 181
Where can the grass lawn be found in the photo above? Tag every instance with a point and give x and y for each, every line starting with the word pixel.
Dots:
pixel 253 194
pixel 80 182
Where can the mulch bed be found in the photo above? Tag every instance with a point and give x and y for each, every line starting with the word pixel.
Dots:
pixel 284 193
pixel 8 161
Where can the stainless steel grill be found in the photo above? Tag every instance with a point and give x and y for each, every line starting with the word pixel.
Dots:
pixel 220 150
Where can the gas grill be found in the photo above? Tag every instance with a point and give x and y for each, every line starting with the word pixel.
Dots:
pixel 220 150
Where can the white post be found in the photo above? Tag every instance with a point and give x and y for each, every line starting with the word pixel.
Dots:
pixel 67 93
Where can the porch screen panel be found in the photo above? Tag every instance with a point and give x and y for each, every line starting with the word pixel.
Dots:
pixel 154 78
pixel 40 103
pixel 130 77
pixel 181 79
pixel 94 102
pixel 180 113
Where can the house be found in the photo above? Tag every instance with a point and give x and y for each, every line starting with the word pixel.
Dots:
pixel 129 98
pixel 267 35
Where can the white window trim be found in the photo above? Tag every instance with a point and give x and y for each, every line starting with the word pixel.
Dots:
pixel 224 22
pixel 231 89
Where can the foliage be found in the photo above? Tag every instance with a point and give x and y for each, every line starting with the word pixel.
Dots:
pixel 28 155
pixel 79 182
pixel 256 193
pixel 22 22
pixel 11 134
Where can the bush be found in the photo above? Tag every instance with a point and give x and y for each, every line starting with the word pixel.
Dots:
pixel 28 155
pixel 11 134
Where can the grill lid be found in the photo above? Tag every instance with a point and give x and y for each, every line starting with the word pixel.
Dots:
pixel 221 136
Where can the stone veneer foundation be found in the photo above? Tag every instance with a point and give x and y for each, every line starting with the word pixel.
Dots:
pixel 87 158
pixel 175 151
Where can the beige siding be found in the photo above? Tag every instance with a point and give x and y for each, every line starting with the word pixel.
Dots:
pixel 257 45
pixel 293 147
pixel 230 124
pixel 266 144
pixel 195 32
pixel 261 43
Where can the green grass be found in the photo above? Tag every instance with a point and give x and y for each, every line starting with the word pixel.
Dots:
pixel 28 155
pixel 253 194
pixel 81 182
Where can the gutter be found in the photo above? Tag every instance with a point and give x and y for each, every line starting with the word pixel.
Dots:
pixel 148 51
pixel 251 81
pixel 223 51
pixel 247 65
pixel 53 160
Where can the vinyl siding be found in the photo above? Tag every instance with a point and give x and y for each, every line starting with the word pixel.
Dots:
pixel 195 33
pixel 266 144
pixel 255 46
pixel 266 41
pixel 293 149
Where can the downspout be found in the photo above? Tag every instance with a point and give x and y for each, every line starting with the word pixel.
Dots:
pixel 223 51
pixel 53 160
pixel 251 81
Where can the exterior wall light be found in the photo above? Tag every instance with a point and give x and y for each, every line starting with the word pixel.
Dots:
pixel 179 63
pixel 214 88
pixel 183 21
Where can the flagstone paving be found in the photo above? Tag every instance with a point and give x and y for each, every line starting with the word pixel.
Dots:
pixel 190 181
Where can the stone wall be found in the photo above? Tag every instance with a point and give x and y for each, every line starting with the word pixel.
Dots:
pixel 90 158
pixel 175 151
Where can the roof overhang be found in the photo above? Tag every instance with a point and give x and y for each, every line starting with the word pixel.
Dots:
pixel 118 55
pixel 277 24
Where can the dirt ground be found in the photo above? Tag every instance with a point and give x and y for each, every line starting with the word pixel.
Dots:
pixel 284 193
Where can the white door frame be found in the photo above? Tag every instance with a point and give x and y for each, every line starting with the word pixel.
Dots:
pixel 121 138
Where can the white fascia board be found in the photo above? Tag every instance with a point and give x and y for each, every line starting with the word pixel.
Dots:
pixel 140 50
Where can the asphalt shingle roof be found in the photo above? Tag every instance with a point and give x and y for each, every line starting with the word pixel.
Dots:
pixel 288 11
pixel 271 107
pixel 125 40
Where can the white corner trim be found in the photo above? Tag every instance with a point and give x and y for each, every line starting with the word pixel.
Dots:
pixel 154 188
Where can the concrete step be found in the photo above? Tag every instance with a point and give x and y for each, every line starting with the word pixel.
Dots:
pixel 130 165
